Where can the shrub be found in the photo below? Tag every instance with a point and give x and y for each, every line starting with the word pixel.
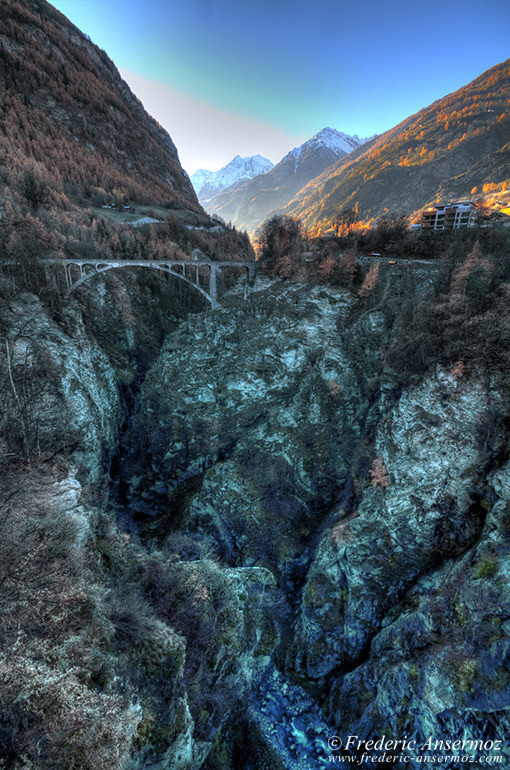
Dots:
pixel 59 723
pixel 370 282
pixel 486 567
pixel 378 473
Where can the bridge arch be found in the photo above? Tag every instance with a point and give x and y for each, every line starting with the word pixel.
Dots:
pixel 88 268
pixel 102 268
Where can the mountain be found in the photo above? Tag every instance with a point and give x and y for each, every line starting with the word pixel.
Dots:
pixel 247 203
pixel 208 183
pixel 77 146
pixel 64 105
pixel 326 140
pixel 457 147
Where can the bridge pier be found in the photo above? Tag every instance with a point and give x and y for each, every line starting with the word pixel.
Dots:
pixel 213 293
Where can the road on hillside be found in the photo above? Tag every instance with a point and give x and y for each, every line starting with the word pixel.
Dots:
pixel 383 258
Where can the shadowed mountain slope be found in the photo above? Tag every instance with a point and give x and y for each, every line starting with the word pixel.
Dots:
pixel 64 104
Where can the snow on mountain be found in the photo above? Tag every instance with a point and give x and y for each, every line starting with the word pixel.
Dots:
pixel 330 139
pixel 200 177
pixel 208 183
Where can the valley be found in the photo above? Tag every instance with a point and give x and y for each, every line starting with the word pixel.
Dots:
pixel 457 148
pixel 247 203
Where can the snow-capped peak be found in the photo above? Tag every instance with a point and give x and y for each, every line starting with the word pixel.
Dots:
pixel 200 177
pixel 208 183
pixel 329 138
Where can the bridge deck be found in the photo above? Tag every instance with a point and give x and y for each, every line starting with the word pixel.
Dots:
pixel 147 262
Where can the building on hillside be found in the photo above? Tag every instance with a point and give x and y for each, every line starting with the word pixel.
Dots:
pixel 449 216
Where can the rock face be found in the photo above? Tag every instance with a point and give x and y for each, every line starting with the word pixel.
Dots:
pixel 424 506
pixel 255 407
pixel 60 389
pixel 135 657
pixel 275 437
pixel 438 668
pixel 102 669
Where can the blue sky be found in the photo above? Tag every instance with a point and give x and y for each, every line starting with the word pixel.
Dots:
pixel 227 78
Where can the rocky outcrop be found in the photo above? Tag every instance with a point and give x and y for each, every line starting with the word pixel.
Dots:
pixel 422 505
pixel 251 416
pixel 60 392
pixel 113 656
pixel 437 669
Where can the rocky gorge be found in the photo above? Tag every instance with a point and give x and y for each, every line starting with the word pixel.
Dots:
pixel 242 541
pixel 269 536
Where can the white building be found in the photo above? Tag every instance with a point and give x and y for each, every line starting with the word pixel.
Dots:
pixel 449 216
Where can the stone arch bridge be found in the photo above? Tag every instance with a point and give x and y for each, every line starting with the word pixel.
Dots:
pixel 77 271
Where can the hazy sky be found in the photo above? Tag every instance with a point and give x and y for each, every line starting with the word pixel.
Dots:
pixel 228 77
